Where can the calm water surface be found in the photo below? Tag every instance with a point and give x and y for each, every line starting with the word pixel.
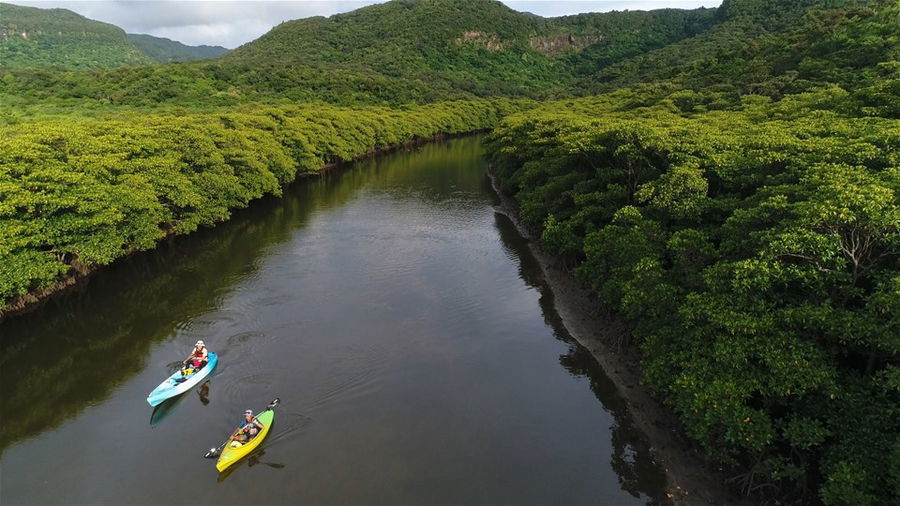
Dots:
pixel 402 322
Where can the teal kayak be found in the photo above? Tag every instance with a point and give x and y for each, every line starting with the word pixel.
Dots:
pixel 176 384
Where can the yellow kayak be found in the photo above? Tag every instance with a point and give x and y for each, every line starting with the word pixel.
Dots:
pixel 231 454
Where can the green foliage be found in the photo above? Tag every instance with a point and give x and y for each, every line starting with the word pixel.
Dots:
pixel 165 50
pixel 479 46
pixel 772 47
pixel 756 250
pixel 633 33
pixel 79 193
pixel 31 37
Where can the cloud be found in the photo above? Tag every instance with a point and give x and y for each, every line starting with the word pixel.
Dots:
pixel 214 22
pixel 231 23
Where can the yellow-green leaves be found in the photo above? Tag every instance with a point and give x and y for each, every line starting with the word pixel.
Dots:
pixel 91 191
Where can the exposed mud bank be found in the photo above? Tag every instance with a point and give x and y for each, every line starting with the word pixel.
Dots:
pixel 78 273
pixel 690 479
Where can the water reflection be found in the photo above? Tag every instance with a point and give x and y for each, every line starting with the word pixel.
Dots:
pixel 162 411
pixel 639 474
pixel 255 458
pixel 203 392
pixel 78 347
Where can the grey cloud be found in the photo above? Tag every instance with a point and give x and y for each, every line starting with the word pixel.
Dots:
pixel 232 23
pixel 225 23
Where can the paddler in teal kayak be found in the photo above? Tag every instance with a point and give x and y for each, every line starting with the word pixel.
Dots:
pixel 247 430
pixel 197 359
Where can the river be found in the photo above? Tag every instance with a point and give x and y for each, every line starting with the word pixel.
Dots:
pixel 402 322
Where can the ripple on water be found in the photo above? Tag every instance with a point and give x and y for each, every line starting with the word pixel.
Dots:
pixel 242 370
pixel 247 338
pixel 184 325
pixel 288 425
pixel 238 384
pixel 352 375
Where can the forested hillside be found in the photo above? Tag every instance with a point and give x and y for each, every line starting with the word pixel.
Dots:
pixel 772 47
pixel 477 46
pixel 31 37
pixel 393 53
pixel 166 50
pixel 428 50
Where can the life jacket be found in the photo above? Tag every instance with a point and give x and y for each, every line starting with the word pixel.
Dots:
pixel 246 426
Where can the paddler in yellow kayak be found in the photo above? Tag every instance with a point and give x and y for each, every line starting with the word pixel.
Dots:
pixel 247 430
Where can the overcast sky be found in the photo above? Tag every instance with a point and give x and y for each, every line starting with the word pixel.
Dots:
pixel 231 23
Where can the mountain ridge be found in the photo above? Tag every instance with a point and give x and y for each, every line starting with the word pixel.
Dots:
pixel 30 36
pixel 476 40
pixel 767 47
pixel 164 50
pixel 417 51
pixel 35 37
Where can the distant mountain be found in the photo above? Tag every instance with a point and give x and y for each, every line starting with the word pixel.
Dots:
pixel 406 51
pixel 165 50
pixel 479 46
pixel 32 37
pixel 398 51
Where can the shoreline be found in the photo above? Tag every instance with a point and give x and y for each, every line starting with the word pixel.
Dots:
pixel 689 478
pixel 78 273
